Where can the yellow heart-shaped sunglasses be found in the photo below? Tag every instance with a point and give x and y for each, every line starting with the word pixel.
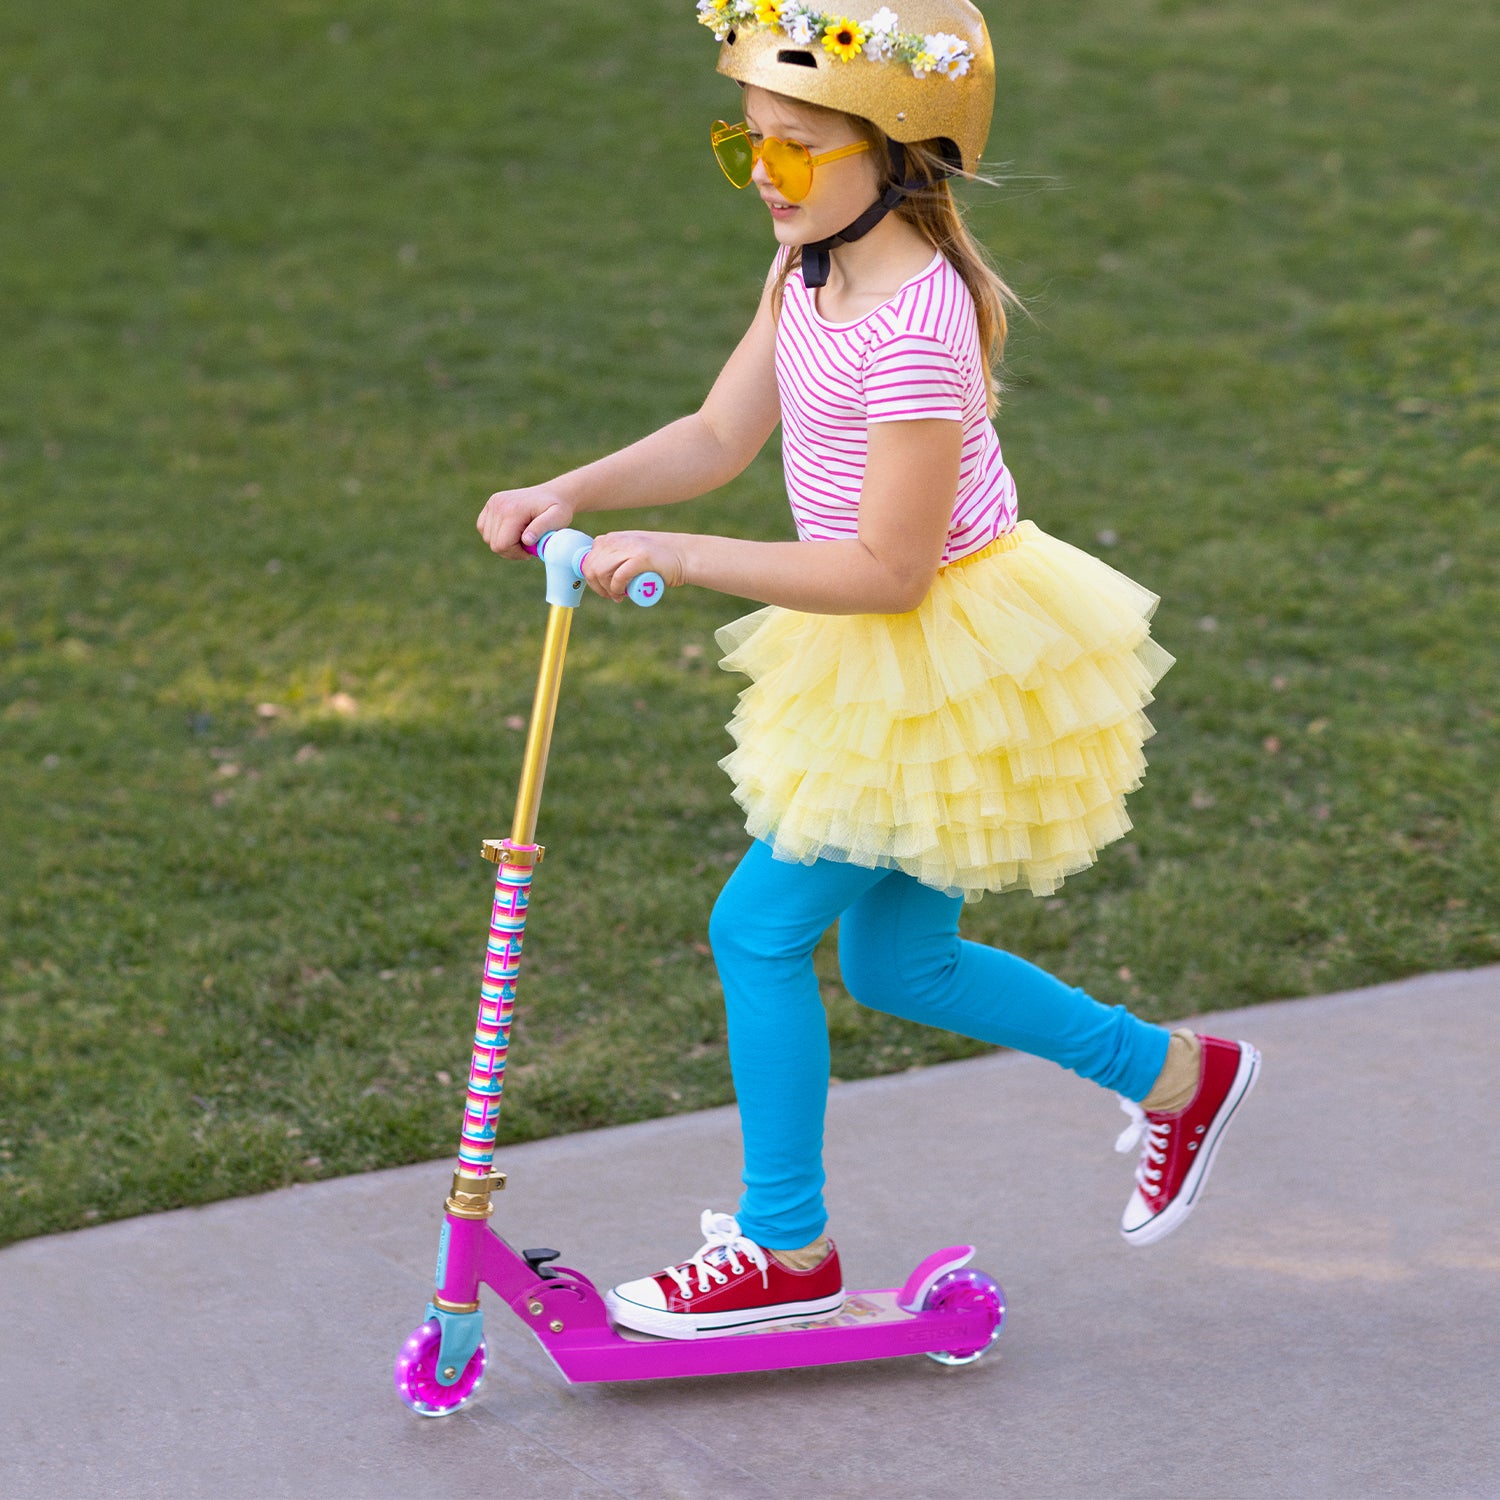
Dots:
pixel 789 164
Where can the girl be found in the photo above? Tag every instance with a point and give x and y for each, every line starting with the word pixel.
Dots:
pixel 944 700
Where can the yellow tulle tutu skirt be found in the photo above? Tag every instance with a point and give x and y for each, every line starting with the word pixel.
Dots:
pixel 982 742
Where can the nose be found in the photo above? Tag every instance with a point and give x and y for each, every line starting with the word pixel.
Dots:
pixel 758 174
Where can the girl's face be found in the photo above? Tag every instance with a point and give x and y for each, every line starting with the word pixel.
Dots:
pixel 841 190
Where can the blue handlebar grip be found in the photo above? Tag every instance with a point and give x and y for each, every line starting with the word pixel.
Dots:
pixel 646 589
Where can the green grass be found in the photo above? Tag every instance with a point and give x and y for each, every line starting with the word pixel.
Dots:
pixel 287 289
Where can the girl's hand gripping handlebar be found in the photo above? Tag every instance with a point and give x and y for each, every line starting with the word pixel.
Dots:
pixel 563 553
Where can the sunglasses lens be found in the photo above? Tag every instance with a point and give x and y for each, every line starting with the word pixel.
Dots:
pixel 789 167
pixel 735 155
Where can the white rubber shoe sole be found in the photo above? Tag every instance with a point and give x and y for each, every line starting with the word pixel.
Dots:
pixel 629 1313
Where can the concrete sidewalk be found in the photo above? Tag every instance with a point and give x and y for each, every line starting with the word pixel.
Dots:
pixel 1328 1324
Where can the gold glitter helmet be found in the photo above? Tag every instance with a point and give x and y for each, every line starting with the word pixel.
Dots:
pixel 883 68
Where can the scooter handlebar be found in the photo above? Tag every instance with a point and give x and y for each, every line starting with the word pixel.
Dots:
pixel 565 550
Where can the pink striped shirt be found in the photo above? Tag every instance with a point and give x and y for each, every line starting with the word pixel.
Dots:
pixel 915 356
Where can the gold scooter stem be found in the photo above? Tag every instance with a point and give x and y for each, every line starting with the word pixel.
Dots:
pixel 539 732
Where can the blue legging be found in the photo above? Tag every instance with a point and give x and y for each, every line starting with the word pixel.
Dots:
pixel 900 952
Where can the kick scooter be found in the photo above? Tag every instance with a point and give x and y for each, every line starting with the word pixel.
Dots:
pixel 945 1309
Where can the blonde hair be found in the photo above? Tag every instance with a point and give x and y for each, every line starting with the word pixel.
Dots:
pixel 937 215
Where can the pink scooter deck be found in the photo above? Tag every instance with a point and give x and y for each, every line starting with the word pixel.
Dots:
pixel 566 1313
pixel 871 1326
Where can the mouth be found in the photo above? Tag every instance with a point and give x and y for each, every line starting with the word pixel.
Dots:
pixel 777 208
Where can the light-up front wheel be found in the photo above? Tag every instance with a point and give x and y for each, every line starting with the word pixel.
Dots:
pixel 416 1374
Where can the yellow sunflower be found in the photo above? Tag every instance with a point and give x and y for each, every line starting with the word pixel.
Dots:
pixel 844 39
pixel 768 12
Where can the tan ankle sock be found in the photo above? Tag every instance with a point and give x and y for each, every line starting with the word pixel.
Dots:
pixel 805 1258
pixel 1178 1080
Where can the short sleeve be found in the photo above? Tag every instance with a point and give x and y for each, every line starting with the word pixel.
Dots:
pixel 911 376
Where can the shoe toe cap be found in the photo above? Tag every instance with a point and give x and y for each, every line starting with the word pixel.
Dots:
pixel 646 1293
pixel 1138 1213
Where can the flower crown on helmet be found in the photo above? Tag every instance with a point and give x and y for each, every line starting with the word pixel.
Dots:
pixel 880 39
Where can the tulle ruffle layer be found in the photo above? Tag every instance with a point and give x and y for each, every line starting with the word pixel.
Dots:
pixel 982 742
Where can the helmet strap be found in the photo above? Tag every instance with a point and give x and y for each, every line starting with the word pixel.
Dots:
pixel 817 258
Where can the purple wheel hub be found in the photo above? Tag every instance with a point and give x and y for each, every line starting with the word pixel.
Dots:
pixel 967 1291
pixel 416 1374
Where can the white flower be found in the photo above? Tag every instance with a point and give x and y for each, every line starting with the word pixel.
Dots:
pixel 950 54
pixel 744 10
pixel 714 17
pixel 799 28
pixel 881 34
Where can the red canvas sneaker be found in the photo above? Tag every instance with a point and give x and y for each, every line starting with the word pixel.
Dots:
pixel 731 1283
pixel 1179 1148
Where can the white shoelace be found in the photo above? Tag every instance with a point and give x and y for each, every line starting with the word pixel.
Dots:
pixel 722 1244
pixel 1154 1153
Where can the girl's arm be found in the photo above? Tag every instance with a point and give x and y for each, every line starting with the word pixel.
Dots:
pixel 911 477
pixel 678 462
